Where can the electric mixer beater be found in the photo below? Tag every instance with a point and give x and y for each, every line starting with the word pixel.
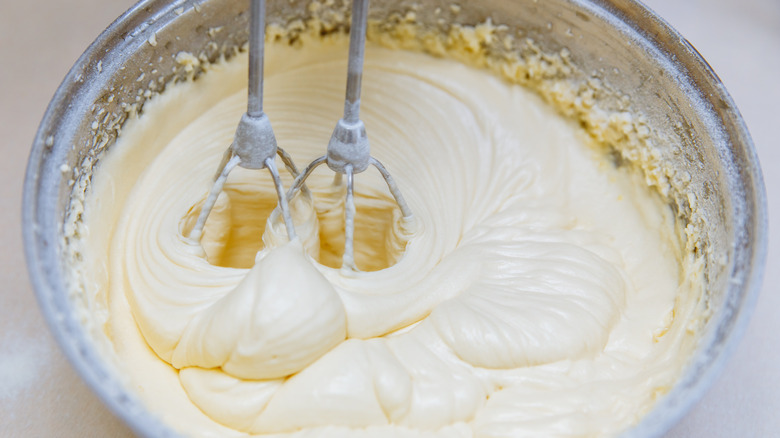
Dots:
pixel 254 145
pixel 348 152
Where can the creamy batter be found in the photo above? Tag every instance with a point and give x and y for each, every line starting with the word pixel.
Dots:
pixel 538 291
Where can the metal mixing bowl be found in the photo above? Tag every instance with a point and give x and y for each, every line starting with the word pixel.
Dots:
pixel 627 47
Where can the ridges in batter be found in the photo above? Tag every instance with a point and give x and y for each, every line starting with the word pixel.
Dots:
pixel 532 294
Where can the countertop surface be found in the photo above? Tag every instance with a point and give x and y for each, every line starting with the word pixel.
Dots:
pixel 41 395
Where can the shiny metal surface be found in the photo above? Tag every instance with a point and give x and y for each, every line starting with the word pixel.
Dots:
pixel 619 42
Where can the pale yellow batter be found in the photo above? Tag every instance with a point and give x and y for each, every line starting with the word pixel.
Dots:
pixel 538 291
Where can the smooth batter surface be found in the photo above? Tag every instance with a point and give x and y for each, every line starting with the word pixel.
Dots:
pixel 537 292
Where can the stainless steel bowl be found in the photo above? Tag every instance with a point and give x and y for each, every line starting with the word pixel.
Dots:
pixel 699 130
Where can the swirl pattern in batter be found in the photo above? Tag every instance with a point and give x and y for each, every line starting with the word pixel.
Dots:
pixel 534 293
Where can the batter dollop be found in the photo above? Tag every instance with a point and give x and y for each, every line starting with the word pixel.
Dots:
pixel 533 294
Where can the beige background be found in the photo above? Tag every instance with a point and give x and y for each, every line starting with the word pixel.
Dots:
pixel 41 396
